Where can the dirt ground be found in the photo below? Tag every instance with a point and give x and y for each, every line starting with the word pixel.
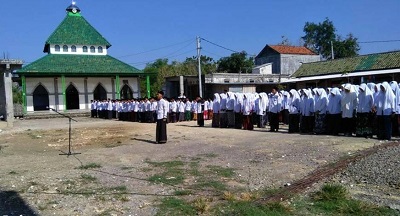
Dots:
pixel 118 181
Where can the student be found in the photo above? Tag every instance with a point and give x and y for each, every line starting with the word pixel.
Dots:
pixel 294 110
pixel 216 109
pixel 230 115
pixel 307 112
pixel 275 108
pixel 333 116
pixel 181 110
pixel 162 113
pixel 93 110
pixel 205 114
pixel 385 108
pixel 223 118
pixel 188 108
pixel 200 112
pixel 285 107
pixel 395 120
pixel 247 109
pixel 172 110
pixel 238 110
pixel 349 104
pixel 365 105
pixel 320 111
pixel 210 109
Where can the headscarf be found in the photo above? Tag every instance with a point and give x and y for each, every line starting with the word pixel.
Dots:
pixel 322 102
pixel 216 103
pixel 238 102
pixel 294 102
pixel 334 101
pixel 386 100
pixel 365 99
pixel 396 91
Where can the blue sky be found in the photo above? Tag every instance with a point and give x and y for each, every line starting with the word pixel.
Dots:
pixel 137 26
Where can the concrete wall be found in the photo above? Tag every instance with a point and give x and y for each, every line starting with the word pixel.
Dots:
pixel 270 58
pixel 84 85
pixel 291 63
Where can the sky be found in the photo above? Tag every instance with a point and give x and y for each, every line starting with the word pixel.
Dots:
pixel 142 31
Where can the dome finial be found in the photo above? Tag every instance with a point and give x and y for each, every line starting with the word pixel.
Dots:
pixel 73 8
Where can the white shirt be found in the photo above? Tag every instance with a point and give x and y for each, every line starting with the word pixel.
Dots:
pixel 162 109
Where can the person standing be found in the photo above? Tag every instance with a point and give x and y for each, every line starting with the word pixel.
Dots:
pixel 364 116
pixel 294 110
pixel 200 112
pixel 349 105
pixel 275 109
pixel 162 113
pixel 320 111
pixel 385 108
pixel 247 109
pixel 216 109
pixel 188 108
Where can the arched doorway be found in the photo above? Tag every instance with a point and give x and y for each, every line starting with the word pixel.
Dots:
pixel 40 98
pixel 126 92
pixel 99 93
pixel 72 97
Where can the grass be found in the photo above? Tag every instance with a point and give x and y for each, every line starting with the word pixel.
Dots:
pixel 12 172
pixel 174 206
pixel 172 172
pixel 221 171
pixel 88 178
pixel 90 166
pixel 183 192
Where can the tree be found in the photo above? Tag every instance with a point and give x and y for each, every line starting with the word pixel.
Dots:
pixel 285 41
pixel 318 37
pixel 237 62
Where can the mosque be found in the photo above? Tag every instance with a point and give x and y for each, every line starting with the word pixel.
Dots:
pixel 76 69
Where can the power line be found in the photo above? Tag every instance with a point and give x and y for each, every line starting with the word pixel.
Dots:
pixel 382 41
pixel 155 49
pixel 220 46
pixel 146 62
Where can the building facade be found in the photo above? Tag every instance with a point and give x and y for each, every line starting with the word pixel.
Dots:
pixel 285 59
pixel 76 69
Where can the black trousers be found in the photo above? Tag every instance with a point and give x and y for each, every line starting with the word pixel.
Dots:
pixel 200 119
pixel 333 123
pixel 347 125
pixel 294 123
pixel 274 121
pixel 161 131
pixel 384 127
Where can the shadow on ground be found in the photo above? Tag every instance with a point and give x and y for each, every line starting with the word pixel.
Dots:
pixel 12 204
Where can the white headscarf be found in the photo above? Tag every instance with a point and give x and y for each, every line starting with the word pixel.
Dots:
pixel 385 100
pixel 396 91
pixel 365 99
pixel 322 102
pixel 216 103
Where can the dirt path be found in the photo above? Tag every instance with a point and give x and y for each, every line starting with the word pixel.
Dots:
pixel 50 183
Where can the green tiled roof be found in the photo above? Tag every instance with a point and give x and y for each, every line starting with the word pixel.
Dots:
pixel 74 29
pixel 378 61
pixel 85 65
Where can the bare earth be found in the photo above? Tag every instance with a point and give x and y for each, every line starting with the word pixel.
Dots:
pixel 51 184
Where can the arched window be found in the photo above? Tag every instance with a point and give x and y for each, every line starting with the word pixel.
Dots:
pixel 100 49
pixel 92 49
pixel 73 48
pixel 57 48
pixel 84 48
pixel 65 48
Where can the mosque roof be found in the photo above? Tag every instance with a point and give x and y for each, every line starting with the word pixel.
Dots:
pixel 75 29
pixel 370 62
pixel 78 65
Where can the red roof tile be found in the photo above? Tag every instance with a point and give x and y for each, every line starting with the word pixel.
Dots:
pixel 283 49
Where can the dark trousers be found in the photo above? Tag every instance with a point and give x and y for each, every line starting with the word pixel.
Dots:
pixel 238 120
pixel 161 131
pixel 285 116
pixel 307 124
pixel 395 126
pixel 93 113
pixel 200 119
pixel 294 123
pixel 274 121
pixel 384 127
pixel 333 123
pixel 347 125
pixel 109 114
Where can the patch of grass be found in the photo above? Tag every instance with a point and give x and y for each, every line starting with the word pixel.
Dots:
pixel 167 178
pixel 222 171
pixel 146 169
pixel 333 199
pixel 211 184
pixel 88 178
pixel 201 205
pixel 126 168
pixel 90 166
pixel 174 206
pixel 12 172
pixel 208 155
pixel 121 188
pixel 250 208
pixel 166 164
pixel 183 192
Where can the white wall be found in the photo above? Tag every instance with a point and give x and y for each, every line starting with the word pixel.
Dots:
pixel 79 83
pixel 79 49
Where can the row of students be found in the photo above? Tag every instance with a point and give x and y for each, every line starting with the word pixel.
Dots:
pixel 364 110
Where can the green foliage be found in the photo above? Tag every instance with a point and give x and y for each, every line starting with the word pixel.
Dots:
pixel 318 37
pixel 221 171
pixel 330 192
pixel 236 63
pixel 174 206
pixel 161 68
pixel 17 95
pixel 90 166
pixel 251 209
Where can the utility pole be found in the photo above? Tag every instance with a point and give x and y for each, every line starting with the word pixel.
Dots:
pixel 199 67
pixel 333 55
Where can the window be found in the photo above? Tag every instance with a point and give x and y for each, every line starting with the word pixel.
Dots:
pixel 226 80
pixel 73 48
pixel 57 48
pixel 65 48
pixel 100 49
pixel 92 49
pixel 84 48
